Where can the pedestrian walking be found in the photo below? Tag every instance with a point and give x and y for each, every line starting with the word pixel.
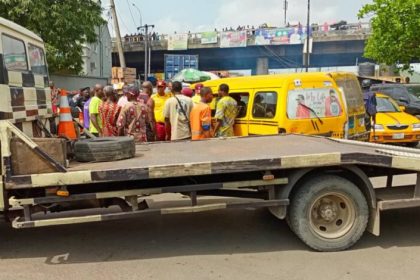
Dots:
pixel 226 112
pixel 95 125
pixel 134 117
pixel 177 112
pixel 108 111
pixel 200 116
pixel 160 99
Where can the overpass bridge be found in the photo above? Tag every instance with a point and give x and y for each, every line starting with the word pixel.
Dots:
pixel 330 49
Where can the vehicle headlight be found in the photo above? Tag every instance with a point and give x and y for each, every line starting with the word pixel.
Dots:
pixel 416 126
pixel 379 127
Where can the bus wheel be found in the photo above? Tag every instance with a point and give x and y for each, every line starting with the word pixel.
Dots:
pixel 329 213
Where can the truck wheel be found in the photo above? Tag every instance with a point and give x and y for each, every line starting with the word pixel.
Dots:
pixel 329 213
pixel 104 149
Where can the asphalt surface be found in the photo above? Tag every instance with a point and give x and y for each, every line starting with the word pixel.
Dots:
pixel 231 244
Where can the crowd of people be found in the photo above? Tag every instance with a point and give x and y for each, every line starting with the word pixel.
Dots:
pixel 167 113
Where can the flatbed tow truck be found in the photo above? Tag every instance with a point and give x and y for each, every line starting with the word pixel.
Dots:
pixel 321 186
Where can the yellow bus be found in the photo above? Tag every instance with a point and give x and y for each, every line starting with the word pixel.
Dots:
pixel 301 103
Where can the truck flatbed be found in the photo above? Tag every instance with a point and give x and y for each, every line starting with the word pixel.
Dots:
pixel 283 173
pixel 221 156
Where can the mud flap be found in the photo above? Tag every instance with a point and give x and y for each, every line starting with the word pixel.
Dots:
pixel 374 224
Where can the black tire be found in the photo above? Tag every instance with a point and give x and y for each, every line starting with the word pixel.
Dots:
pixel 104 149
pixel 412 144
pixel 317 213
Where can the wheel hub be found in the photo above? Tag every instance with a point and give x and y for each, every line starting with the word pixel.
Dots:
pixel 328 212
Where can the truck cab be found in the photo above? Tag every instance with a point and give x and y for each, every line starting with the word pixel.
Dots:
pixel 24 82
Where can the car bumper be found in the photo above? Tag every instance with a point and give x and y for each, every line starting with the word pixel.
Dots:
pixel 394 137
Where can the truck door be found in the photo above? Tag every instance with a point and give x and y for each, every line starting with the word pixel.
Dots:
pixel 263 116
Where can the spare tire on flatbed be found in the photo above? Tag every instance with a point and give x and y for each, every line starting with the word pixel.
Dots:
pixel 104 149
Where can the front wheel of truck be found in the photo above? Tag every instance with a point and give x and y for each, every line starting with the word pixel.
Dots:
pixel 328 213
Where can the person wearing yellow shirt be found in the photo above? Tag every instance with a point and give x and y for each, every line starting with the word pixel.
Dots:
pixel 197 97
pixel 160 99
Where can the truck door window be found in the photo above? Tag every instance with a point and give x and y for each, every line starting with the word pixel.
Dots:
pixel 265 105
pixel 37 60
pixel 242 99
pixel 313 103
pixel 14 54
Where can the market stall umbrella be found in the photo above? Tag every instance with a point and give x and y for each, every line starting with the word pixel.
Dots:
pixel 191 76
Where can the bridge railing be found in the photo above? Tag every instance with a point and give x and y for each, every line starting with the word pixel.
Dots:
pixel 194 39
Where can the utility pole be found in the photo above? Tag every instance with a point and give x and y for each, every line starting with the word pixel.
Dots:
pixel 308 33
pixel 147 49
pixel 117 33
pixel 286 5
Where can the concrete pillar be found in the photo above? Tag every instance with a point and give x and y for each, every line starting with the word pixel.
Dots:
pixel 262 66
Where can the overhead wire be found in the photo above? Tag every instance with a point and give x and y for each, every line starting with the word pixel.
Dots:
pixel 132 17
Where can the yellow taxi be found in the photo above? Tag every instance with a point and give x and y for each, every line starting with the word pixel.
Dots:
pixel 393 125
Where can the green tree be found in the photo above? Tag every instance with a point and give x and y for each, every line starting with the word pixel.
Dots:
pixel 64 25
pixel 396 31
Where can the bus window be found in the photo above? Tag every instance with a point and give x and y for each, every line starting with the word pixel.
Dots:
pixel 14 54
pixel 353 95
pixel 37 60
pixel 242 99
pixel 265 105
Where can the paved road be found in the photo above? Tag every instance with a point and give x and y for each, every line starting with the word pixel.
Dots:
pixel 235 244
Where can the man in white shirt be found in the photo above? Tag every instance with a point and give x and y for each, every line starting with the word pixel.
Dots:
pixel 176 112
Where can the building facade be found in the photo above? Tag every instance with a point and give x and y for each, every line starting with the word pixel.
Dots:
pixel 97 59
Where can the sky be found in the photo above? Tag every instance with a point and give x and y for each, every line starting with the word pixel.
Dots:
pixel 182 16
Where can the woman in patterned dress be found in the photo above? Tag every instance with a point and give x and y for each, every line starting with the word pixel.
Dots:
pixel 109 111
pixel 134 117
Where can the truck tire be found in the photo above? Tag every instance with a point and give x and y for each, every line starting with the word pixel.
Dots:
pixel 104 149
pixel 328 213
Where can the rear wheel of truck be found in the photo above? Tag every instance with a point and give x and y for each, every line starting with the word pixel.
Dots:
pixel 328 213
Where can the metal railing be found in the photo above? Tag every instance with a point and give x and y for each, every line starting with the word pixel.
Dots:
pixel 161 41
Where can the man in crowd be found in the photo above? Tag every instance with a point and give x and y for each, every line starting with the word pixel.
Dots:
pixel 108 111
pixel 159 100
pixel 95 126
pixel 86 116
pixel 177 112
pixel 145 98
pixel 226 112
pixel 134 117
pixel 200 116
pixel 83 97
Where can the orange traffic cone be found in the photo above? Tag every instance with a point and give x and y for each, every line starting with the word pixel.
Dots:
pixel 66 126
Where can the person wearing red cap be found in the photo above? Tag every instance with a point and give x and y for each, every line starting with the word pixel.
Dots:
pixel 160 99
pixel 197 97
pixel 187 92
pixel 134 117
